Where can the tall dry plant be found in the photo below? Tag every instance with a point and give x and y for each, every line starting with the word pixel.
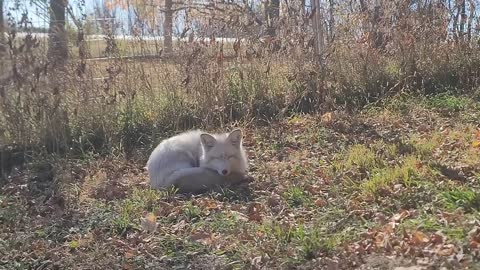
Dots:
pixel 120 96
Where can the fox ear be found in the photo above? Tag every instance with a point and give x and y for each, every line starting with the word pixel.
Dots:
pixel 208 141
pixel 235 137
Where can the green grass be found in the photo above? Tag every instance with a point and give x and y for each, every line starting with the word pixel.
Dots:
pixel 296 197
pixel 359 156
pixel 448 103
pixel 431 224
pixel 405 173
pixel 426 145
pixel 469 199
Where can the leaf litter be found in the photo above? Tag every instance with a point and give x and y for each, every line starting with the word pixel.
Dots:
pixel 301 213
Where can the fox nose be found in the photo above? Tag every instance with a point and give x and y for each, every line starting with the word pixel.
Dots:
pixel 224 172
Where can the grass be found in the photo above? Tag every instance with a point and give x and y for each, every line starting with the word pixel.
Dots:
pixel 406 173
pixel 448 103
pixel 296 197
pixel 297 209
pixel 466 198
pixel 360 156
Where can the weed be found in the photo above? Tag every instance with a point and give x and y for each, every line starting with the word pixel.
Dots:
pixel 405 173
pixel 359 156
pixel 296 196
pixel 468 199
pixel 431 224
pixel 147 199
pixel 127 213
pixel 425 146
pixel 448 103
pixel 191 212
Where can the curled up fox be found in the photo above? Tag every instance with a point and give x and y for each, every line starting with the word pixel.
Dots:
pixel 196 161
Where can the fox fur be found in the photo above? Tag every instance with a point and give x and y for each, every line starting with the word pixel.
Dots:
pixel 196 161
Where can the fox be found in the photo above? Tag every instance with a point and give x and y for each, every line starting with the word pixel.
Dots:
pixel 195 161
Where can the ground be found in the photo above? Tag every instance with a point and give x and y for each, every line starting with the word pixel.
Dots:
pixel 395 186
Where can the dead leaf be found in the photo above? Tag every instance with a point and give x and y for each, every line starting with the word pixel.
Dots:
pixel 400 216
pixel 208 204
pixel 149 222
pixel 164 209
pixel 273 200
pixel 436 239
pixel 419 238
pixel 202 237
pixel 474 244
pixel 238 216
pixel 327 118
pixel 476 144
pixel 320 202
pixel 179 226
pixel 313 189
pixel 446 250
pixel 254 212
pixel 129 255
pixel 474 233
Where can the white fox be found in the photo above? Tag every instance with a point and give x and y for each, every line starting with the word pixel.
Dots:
pixel 196 161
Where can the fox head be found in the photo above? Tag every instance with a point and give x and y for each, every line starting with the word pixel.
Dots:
pixel 223 153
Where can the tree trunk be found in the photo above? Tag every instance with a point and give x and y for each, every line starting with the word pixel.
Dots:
pixel 168 27
pixel 463 19
pixel 57 40
pixel 455 22
pixel 2 29
pixel 1 19
pixel 273 13
pixel 331 20
pixel 317 29
pixel 472 8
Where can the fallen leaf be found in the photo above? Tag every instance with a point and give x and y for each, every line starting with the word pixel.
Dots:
pixel 313 189
pixel 446 250
pixel 129 255
pixel 179 226
pixel 436 239
pixel 327 118
pixel 419 238
pixel 149 222
pixel 474 244
pixel 474 234
pixel 476 144
pixel 320 202
pixel 238 216
pixel 203 237
pixel 254 212
pixel 400 216
pixel 209 204
pixel 164 209
pixel 273 200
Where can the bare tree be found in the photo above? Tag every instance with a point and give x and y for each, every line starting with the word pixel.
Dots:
pixel 57 41
pixel 2 27
pixel 471 16
pixel 317 28
pixel 272 10
pixel 168 27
